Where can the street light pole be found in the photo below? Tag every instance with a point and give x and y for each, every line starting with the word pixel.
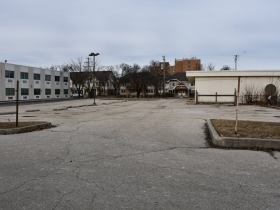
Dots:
pixel 94 91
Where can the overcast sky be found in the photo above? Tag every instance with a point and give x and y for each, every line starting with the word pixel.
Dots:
pixel 41 33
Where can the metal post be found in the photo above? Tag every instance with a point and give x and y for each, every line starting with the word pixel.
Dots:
pixel 163 76
pixel 17 104
pixel 235 98
pixel 196 97
pixel 237 105
pixel 94 80
pixel 216 97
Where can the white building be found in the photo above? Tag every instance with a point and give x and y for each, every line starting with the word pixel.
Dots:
pixel 34 83
pixel 221 86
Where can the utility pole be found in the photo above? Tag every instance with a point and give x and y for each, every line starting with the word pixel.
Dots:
pixel 88 68
pixel 163 76
pixel 235 60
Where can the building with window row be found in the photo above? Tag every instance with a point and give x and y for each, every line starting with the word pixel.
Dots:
pixel 181 65
pixel 34 83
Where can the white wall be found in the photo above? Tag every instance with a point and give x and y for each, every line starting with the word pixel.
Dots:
pixel 227 86
pixel 211 85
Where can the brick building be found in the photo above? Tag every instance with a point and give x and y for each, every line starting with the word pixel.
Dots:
pixel 180 65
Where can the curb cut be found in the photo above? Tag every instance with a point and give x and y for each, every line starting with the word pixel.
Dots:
pixel 241 142
pixel 24 129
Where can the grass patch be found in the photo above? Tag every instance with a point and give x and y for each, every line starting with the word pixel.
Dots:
pixel 248 129
pixel 7 125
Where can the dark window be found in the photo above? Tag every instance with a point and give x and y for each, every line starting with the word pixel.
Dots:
pixel 57 78
pixel 47 77
pixel 37 91
pixel 23 75
pixel 9 74
pixel 57 91
pixel 189 66
pixel 48 91
pixel 65 91
pixel 10 91
pixel 124 84
pixel 24 91
pixel 36 76
pixel 65 79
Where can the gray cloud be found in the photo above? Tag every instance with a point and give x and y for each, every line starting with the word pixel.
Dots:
pixel 41 33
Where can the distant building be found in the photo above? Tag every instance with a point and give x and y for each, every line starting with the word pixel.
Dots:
pixel 179 86
pixel 185 64
pixel 180 65
pixel 222 86
pixel 34 83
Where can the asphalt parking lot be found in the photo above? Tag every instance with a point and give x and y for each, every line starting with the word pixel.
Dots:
pixel 133 155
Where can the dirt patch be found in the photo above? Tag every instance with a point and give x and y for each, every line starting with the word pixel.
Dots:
pixel 248 129
pixel 7 125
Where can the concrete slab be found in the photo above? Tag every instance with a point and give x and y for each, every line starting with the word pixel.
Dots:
pixel 134 155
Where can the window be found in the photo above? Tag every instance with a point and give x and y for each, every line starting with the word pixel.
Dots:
pixel 192 84
pixel 10 91
pixel 173 84
pixel 171 91
pixel 23 75
pixel 57 91
pixel 47 77
pixel 57 78
pixel 65 91
pixel 24 91
pixel 124 84
pixel 48 91
pixel 189 66
pixel 9 74
pixel 37 91
pixel 36 76
pixel 65 79
pixel 123 90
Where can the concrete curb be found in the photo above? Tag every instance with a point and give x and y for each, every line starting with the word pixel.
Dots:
pixel 24 129
pixel 34 110
pixel 7 113
pixel 142 99
pixel 241 142
pixel 60 109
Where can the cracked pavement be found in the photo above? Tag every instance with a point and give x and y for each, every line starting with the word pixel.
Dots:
pixel 133 155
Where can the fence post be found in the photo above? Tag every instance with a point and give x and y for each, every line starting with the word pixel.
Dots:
pixel 216 97
pixel 196 97
pixel 235 97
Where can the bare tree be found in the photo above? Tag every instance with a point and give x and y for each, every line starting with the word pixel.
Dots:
pixel 199 67
pixel 211 67
pixel 78 75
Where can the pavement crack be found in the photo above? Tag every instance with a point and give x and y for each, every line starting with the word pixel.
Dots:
pixel 62 198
